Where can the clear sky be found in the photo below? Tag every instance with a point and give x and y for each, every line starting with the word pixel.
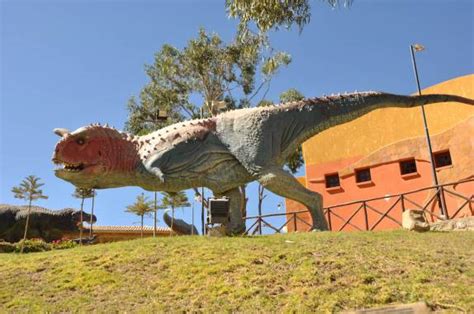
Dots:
pixel 70 63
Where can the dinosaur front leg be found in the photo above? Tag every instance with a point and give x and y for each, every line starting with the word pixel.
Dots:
pixel 284 184
pixel 237 224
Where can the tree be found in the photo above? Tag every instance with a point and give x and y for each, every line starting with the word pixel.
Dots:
pixel 29 190
pixel 210 68
pixel 207 67
pixel 141 207
pixel 83 193
pixel 273 14
pixel 173 201
pixel 91 222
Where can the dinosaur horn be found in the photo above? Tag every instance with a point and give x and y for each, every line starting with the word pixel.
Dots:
pixel 61 132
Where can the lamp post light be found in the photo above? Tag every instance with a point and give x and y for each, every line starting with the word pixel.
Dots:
pixel 415 48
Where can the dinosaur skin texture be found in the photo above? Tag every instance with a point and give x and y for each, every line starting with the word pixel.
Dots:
pixel 46 224
pixel 220 153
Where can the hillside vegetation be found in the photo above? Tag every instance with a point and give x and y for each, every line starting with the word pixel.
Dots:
pixel 308 272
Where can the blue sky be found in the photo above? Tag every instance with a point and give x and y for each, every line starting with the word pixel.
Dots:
pixel 70 63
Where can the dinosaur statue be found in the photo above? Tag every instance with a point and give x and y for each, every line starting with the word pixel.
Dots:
pixel 222 152
pixel 178 225
pixel 46 224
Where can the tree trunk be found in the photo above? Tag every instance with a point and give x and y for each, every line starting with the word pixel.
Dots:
pixel 26 226
pixel 202 212
pixel 141 229
pixel 92 214
pixel 243 203
pixel 82 221
pixel 261 189
pixel 155 215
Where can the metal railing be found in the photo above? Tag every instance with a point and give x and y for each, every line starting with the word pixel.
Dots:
pixel 340 217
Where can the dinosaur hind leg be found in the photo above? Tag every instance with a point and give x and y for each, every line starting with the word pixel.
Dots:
pixel 284 184
pixel 237 223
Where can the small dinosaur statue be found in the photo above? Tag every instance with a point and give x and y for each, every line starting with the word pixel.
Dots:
pixel 178 225
pixel 46 224
pixel 220 153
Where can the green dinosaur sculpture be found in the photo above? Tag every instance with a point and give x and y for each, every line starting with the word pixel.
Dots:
pixel 44 223
pixel 220 153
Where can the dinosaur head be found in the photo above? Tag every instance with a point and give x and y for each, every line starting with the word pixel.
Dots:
pixel 76 218
pixel 94 156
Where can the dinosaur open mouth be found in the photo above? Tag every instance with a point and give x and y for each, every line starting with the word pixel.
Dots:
pixel 68 166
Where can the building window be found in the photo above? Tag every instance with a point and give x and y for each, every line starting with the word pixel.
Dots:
pixel 407 166
pixel 363 175
pixel 442 159
pixel 332 180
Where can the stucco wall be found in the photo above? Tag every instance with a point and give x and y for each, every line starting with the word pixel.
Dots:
pixel 381 139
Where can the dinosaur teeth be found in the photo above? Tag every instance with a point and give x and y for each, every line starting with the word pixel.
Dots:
pixel 69 167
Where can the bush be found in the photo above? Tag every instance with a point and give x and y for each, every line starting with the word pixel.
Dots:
pixel 6 247
pixel 63 244
pixel 33 245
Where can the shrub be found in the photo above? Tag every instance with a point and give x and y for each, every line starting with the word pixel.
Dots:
pixel 33 245
pixel 6 247
pixel 63 244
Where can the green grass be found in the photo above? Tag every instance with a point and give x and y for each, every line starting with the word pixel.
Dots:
pixel 308 272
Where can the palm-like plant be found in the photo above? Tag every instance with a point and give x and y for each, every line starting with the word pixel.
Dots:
pixel 174 200
pixel 141 207
pixel 29 190
pixel 83 193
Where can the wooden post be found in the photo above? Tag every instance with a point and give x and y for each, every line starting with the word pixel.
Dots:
pixel 295 223
pixel 443 202
pixel 366 217
pixel 329 219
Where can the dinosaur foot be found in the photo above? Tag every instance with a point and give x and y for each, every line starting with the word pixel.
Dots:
pixel 236 230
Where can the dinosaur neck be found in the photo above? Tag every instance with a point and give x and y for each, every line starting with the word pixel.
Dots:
pixel 309 117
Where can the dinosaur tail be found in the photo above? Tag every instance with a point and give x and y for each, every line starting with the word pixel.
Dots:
pixel 178 225
pixel 298 121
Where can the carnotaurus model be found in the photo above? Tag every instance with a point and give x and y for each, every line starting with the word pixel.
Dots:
pixel 220 153
pixel 46 224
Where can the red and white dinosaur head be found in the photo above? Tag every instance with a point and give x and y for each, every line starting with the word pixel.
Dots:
pixel 92 156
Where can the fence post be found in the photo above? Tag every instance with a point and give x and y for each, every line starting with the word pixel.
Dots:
pixel 366 217
pixel 329 218
pixel 402 199
pixel 295 223
pixel 443 202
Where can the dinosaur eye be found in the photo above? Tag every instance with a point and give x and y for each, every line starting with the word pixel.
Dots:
pixel 80 141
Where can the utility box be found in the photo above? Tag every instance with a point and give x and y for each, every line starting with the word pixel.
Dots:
pixel 218 210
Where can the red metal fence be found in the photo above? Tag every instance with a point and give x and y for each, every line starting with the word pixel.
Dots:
pixel 379 213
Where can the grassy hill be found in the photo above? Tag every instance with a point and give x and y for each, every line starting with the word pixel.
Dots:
pixel 317 272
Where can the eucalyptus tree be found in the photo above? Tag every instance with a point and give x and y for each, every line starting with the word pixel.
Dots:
pixel 224 75
pixel 29 190
pixel 273 14
pixel 142 207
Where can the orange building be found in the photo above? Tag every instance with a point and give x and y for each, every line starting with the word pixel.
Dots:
pixel 384 154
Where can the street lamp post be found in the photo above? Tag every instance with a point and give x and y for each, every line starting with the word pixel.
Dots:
pixel 442 205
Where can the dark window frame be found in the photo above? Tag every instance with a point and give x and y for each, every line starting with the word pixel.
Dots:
pixel 408 166
pixel 332 184
pixel 441 154
pixel 361 175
